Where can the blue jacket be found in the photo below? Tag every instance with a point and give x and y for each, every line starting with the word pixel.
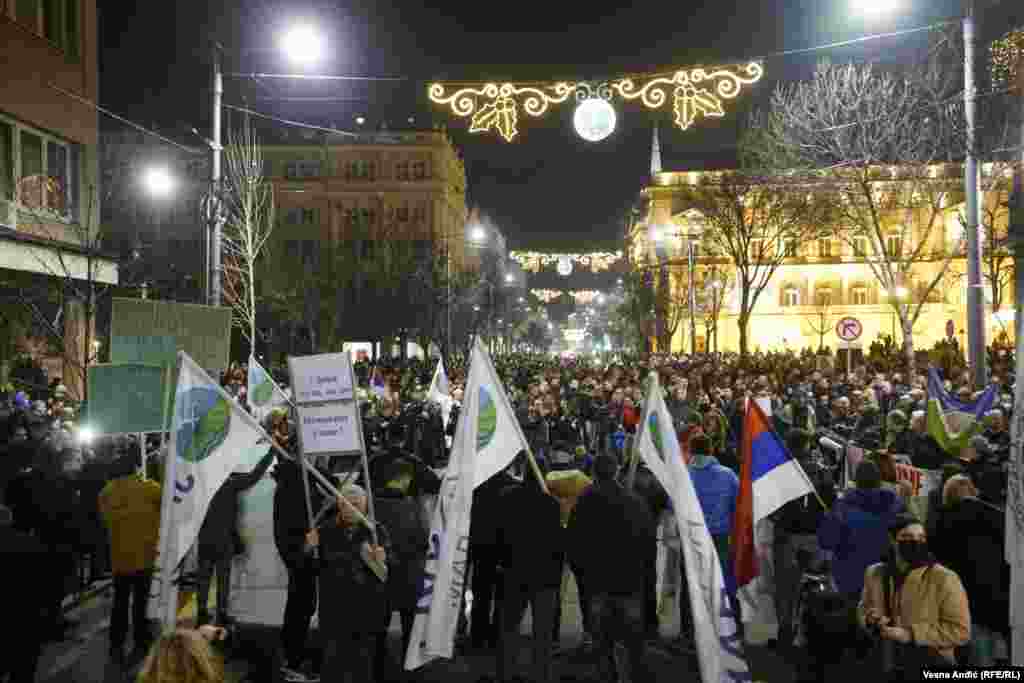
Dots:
pixel 856 529
pixel 717 488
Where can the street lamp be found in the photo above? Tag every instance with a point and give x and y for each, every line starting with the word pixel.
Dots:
pixel 301 43
pixel 158 182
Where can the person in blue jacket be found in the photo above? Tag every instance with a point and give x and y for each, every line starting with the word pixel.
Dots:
pixel 717 487
pixel 856 529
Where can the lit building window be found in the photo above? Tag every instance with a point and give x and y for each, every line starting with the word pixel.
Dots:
pixel 859 295
pixel 791 296
pixel 823 296
pixel 894 246
pixel 789 249
pixel 756 250
pixel 824 247
pixel 860 247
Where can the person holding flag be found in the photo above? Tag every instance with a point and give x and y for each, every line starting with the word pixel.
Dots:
pixel 487 440
pixel 719 645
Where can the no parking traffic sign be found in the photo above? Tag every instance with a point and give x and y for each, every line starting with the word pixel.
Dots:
pixel 849 329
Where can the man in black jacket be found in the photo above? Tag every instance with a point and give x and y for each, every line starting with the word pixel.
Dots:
pixel 610 536
pixel 485 514
pixel 219 540
pixel 795 540
pixel 25 568
pixel 529 539
pixel 291 524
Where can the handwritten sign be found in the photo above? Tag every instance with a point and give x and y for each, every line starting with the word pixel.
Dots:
pixel 323 378
pixel 849 329
pixel 330 428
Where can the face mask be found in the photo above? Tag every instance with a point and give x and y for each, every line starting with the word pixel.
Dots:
pixel 914 553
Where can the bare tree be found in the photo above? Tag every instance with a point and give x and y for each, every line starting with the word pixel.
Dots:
pixel 248 202
pixel 821 320
pixel 714 289
pixel 752 220
pixel 887 147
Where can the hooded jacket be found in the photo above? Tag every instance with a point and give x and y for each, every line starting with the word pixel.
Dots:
pixel 131 508
pixel 717 487
pixel 856 530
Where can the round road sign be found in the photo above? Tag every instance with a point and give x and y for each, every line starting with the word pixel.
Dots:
pixel 849 329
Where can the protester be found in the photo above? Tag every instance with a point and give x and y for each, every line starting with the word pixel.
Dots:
pixel 610 534
pixel 131 508
pixel 914 602
pixel 969 539
pixel 183 656
pixel 530 547
pixel 25 568
pixel 717 488
pixel 353 598
pixel 219 541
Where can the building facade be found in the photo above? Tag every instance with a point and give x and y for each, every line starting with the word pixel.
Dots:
pixel 400 185
pixel 825 278
pixel 49 179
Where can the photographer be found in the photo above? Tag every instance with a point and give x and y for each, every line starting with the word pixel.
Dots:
pixel 914 607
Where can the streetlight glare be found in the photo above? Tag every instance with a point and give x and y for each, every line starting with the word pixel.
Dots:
pixel 478 234
pixel 158 181
pixel 900 292
pixel 303 45
pixel 509 277
pixel 878 7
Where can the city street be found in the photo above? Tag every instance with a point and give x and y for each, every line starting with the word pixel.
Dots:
pixel 82 659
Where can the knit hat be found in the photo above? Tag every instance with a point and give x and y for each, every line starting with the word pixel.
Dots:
pixel 867 475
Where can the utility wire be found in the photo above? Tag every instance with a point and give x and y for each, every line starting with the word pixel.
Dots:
pixel 298 124
pixel 90 103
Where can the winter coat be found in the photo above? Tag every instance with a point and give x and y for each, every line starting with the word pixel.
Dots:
pixel 717 488
pixel 402 516
pixel 969 539
pixel 218 536
pixel 856 530
pixel 931 603
pixel 352 598
pixel 486 512
pixel 925 452
pixel 291 519
pixel 530 543
pixel 28 570
pixel 612 538
pixel 131 508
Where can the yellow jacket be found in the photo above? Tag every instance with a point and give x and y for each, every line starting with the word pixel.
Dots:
pixel 932 605
pixel 131 509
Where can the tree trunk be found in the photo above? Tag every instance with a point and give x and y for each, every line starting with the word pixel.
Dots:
pixel 743 323
pixel 908 347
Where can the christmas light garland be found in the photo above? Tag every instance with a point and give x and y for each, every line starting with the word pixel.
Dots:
pixel 596 262
pixel 1007 59
pixel 496 106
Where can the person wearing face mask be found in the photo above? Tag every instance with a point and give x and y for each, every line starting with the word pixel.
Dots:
pixel 915 607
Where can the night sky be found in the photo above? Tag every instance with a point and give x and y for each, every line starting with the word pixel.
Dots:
pixel 547 189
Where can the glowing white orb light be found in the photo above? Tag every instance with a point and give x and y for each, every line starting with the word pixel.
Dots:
pixel 594 119
pixel 158 181
pixel 303 44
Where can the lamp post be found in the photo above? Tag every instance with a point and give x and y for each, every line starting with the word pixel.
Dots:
pixel 692 239
pixel 302 44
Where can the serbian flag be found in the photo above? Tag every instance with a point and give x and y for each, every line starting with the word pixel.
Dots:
pixel 769 478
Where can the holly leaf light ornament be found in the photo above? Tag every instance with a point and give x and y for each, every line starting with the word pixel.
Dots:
pixel 691 101
pixel 500 114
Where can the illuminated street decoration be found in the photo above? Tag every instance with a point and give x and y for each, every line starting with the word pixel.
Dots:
pixel 564 266
pixel 547 295
pixel 689 97
pixel 597 262
pixel 584 297
pixel 1007 57
pixel 694 93
pixel 502 112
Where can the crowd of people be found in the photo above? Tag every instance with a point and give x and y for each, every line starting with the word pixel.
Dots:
pixel 915 582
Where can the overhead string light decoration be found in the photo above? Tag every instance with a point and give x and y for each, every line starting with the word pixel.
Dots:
pixel 693 92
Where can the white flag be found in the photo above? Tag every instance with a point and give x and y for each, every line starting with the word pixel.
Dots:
pixel 439 391
pixel 263 393
pixel 209 433
pixel 719 646
pixel 487 440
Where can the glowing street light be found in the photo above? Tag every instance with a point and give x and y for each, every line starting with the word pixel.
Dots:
pixel 510 278
pixel 158 181
pixel 900 292
pixel 478 234
pixel 878 7
pixel 303 44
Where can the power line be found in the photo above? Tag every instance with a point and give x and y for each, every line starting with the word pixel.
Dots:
pixel 90 103
pixel 297 124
